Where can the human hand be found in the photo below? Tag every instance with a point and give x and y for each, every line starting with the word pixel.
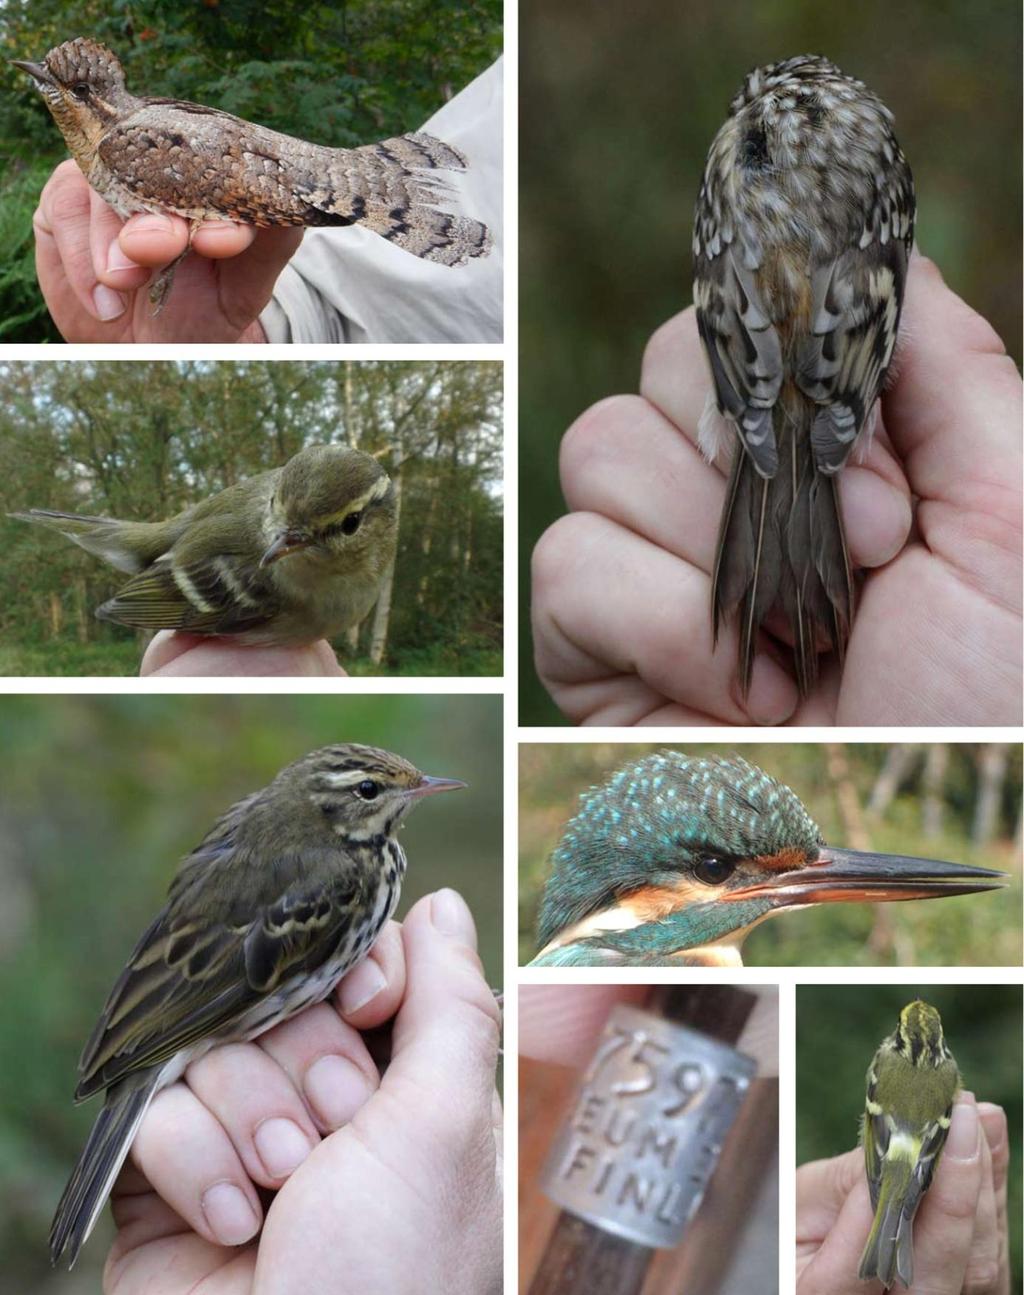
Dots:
pixel 93 270
pixel 172 653
pixel 383 1183
pixel 960 1236
pixel 621 585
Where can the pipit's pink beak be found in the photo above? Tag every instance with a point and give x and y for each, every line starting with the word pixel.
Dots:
pixel 428 786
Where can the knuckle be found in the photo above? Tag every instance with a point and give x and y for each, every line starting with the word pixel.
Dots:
pixel 596 429
pixel 664 345
pixel 553 558
pixel 981 1277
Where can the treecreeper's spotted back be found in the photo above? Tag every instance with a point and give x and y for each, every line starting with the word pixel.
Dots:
pixel 802 234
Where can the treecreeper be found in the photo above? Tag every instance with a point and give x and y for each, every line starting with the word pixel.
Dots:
pixel 168 155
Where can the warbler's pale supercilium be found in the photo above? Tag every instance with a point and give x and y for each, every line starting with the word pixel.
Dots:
pixel 802 234
pixel 675 858
pixel 288 556
pixel 283 896
pixel 912 1083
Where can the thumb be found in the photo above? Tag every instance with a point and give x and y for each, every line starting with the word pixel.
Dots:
pixel 833 1210
pixel 445 1043
pixel 954 418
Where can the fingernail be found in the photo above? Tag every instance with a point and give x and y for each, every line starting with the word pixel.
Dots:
pixel 282 1146
pixel 228 1214
pixel 962 1143
pixel 773 696
pixel 108 303
pixel 152 224
pixel 336 1088
pixel 360 985
pixel 116 259
pixel 451 916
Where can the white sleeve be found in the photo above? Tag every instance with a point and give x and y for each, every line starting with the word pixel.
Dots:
pixel 346 284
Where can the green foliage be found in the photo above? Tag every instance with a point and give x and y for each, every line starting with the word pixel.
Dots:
pixel 23 312
pixel 980 930
pixel 99 798
pixel 145 440
pixel 619 104
pixel 340 74
pixel 838 1028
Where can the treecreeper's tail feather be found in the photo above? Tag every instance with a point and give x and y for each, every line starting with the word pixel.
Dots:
pixel 781 542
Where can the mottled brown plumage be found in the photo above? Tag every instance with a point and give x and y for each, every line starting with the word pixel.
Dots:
pixel 143 154
pixel 802 234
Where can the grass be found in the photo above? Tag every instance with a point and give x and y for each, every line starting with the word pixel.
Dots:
pixel 66 659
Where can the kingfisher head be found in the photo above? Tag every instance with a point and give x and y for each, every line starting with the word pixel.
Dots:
pixel 676 857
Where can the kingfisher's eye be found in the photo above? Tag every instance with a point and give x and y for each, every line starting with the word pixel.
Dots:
pixel 80 89
pixel 368 789
pixel 713 871
pixel 351 523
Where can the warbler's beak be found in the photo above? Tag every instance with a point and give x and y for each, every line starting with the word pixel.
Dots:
pixel 37 70
pixel 854 876
pixel 287 542
pixel 428 786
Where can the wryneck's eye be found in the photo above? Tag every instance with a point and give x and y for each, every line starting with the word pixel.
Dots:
pixel 713 871
pixel 80 89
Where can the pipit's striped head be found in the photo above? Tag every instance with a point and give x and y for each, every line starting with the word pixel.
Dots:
pixel 361 791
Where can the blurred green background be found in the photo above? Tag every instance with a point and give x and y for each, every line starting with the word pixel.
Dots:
pixel 100 797
pixel 345 73
pixel 618 105
pixel 960 802
pixel 143 441
pixel 838 1028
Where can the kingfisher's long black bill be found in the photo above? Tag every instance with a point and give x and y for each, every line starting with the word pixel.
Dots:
pixel 854 876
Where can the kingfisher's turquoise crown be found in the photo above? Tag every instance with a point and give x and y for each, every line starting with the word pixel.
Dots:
pixel 653 822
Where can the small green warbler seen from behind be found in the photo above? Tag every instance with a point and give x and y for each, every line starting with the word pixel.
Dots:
pixel 911 1085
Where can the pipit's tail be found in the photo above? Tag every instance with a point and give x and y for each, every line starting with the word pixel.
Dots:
pixel 781 542
pixel 128 546
pixel 394 190
pixel 98 1165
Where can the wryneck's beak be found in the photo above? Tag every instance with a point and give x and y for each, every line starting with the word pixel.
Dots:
pixel 39 71
pixel 854 876
pixel 430 786
pixel 288 541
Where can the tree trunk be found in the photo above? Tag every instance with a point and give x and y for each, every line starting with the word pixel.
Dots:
pixel 935 761
pixel 82 618
pixel 382 612
pixel 56 615
pixel 887 784
pixel 992 763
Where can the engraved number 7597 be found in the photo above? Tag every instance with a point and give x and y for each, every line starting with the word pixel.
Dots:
pixel 687 1079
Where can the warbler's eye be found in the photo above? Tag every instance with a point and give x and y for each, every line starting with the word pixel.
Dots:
pixel 368 789
pixel 713 871
pixel 351 523
pixel 80 89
